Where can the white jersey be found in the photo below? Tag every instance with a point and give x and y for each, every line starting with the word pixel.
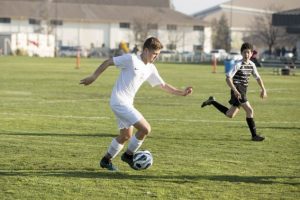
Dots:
pixel 134 72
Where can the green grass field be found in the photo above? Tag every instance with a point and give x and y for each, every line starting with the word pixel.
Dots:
pixel 53 132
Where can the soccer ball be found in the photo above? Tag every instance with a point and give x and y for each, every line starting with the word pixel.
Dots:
pixel 142 160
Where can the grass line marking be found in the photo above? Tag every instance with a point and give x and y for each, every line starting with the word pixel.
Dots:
pixel 150 119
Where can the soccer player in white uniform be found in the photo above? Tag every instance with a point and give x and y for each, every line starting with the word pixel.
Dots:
pixel 135 70
pixel 237 79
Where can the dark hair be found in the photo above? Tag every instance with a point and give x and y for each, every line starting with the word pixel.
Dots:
pixel 152 43
pixel 246 45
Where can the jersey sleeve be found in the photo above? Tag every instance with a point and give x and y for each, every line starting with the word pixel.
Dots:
pixel 123 61
pixel 234 69
pixel 255 73
pixel 154 79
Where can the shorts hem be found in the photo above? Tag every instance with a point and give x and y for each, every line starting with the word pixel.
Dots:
pixel 127 127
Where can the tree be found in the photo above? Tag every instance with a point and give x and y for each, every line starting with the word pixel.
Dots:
pixel 45 25
pixel 262 31
pixel 175 39
pixel 143 27
pixel 140 31
pixel 221 34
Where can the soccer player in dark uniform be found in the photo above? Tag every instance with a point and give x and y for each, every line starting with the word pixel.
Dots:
pixel 237 79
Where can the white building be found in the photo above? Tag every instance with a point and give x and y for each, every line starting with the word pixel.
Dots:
pixel 95 23
pixel 241 15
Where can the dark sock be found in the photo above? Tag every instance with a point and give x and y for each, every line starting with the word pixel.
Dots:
pixel 251 125
pixel 220 107
pixel 107 156
pixel 105 159
pixel 128 155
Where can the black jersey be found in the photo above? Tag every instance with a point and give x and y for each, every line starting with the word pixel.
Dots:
pixel 241 72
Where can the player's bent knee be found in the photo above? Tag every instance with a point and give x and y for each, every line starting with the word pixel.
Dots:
pixel 250 113
pixel 147 130
pixel 230 114
pixel 143 128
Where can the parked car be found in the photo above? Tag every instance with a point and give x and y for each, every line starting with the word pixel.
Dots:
pixel 188 57
pixel 167 52
pixel 167 55
pixel 219 54
pixel 195 57
pixel 267 55
pixel 71 51
pixel 289 55
pixel 99 52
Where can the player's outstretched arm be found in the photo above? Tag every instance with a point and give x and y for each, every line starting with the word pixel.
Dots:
pixel 90 79
pixel 172 90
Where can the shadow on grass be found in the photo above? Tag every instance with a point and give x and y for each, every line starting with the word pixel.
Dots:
pixel 233 138
pixel 288 180
pixel 277 127
pixel 62 134
pixel 269 127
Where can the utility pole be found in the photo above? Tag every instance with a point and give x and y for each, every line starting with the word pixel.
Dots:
pixel 56 41
pixel 230 29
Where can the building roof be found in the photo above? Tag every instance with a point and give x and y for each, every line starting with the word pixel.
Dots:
pixel 240 13
pixel 111 11
pixel 289 19
pixel 264 5
pixel 152 3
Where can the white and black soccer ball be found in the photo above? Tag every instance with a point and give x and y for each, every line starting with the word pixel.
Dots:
pixel 142 160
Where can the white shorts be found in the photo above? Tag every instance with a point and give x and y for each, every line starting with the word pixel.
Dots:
pixel 126 115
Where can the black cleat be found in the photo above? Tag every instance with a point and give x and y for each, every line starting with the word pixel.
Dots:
pixel 258 138
pixel 128 159
pixel 208 101
pixel 107 164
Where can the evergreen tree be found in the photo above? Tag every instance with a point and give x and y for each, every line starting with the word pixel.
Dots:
pixel 221 34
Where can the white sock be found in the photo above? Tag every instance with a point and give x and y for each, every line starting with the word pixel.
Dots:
pixel 114 148
pixel 134 144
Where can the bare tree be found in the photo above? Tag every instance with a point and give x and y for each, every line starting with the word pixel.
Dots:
pixel 140 31
pixel 221 33
pixel 147 25
pixel 43 10
pixel 175 39
pixel 262 31
pixel 143 27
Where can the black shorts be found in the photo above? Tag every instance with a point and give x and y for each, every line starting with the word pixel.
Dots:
pixel 235 101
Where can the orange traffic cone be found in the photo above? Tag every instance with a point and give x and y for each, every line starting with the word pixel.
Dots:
pixel 214 65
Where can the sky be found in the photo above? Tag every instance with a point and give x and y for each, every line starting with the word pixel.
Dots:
pixel 192 6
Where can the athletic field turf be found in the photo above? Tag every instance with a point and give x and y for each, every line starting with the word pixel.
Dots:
pixel 53 132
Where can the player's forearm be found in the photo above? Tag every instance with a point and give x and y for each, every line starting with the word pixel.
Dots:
pixel 230 83
pixel 102 67
pixel 172 90
pixel 261 84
